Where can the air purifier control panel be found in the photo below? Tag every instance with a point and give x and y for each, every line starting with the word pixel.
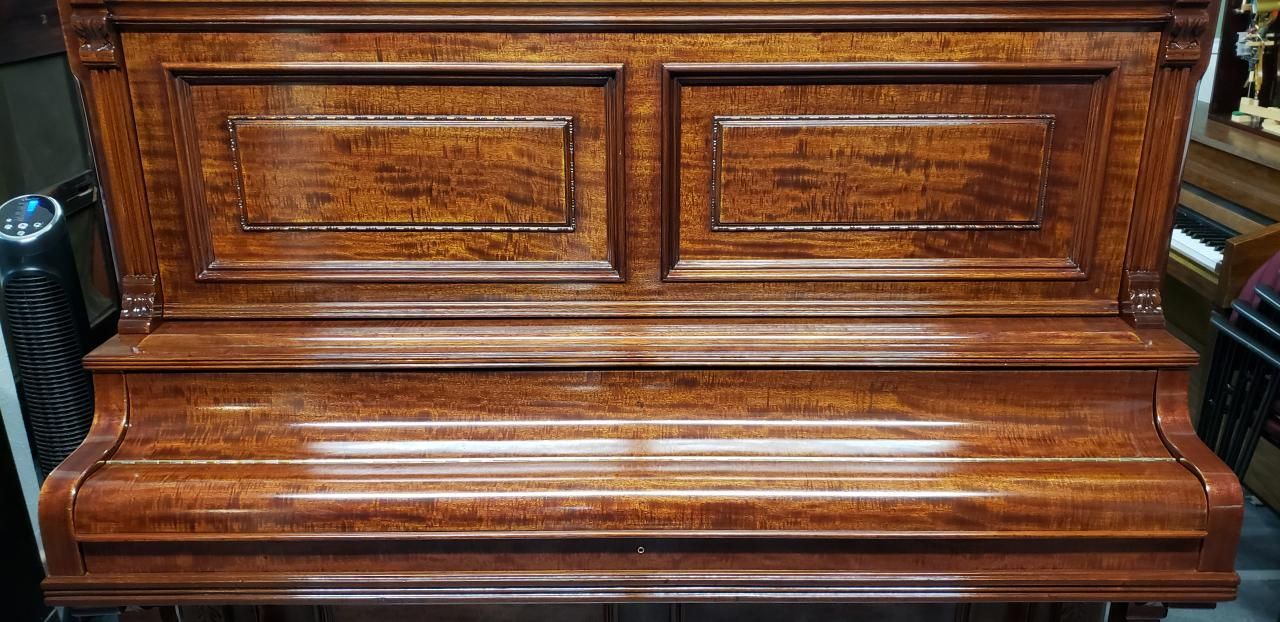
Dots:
pixel 27 216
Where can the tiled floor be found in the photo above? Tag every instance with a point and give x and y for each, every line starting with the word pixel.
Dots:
pixel 1259 566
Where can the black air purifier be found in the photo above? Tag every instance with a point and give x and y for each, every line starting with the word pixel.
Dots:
pixel 45 325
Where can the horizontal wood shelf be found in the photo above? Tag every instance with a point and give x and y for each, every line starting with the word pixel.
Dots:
pixel 1055 342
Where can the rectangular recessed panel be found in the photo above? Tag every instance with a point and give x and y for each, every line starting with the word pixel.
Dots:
pixel 854 172
pixel 421 172
pixel 876 171
pixel 411 172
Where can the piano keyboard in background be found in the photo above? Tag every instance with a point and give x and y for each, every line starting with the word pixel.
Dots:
pixel 1226 224
pixel 1198 239
pixel 1216 246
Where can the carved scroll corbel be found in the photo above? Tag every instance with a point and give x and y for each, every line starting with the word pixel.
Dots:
pixel 1187 40
pixel 138 309
pixel 95 33
pixel 1143 303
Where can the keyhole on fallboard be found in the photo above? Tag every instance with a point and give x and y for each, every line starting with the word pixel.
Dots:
pixel 640 550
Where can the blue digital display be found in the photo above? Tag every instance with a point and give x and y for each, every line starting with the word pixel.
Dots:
pixel 27 216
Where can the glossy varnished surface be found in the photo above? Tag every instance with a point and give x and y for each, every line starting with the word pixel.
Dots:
pixel 372 172
pixel 798 171
pixel 133 501
pixel 605 415
pixel 650 100
pixel 653 452
pixel 907 131
pixel 530 301
pixel 606 481
pixel 1058 342
pixel 421 172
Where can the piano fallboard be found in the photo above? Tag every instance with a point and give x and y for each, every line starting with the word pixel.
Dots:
pixel 709 481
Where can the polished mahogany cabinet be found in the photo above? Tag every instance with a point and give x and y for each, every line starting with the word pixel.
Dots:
pixel 539 301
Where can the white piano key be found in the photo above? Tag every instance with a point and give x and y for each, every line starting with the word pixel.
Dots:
pixel 1198 252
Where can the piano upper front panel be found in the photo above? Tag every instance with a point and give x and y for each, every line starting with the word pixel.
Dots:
pixel 894 172
pixel 315 115
pixel 404 173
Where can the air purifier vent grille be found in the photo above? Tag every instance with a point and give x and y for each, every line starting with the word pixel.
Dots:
pixel 47 351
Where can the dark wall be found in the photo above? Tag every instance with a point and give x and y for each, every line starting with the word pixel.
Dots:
pixel 42 142
pixel 42 135
pixel 20 564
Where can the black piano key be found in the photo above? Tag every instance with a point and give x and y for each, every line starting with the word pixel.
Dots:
pixel 1206 234
pixel 1199 228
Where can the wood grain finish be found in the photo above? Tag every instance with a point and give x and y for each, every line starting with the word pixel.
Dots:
pixel 1054 187
pixel 647 15
pixel 655 453
pixel 1207 168
pixel 58 494
pixel 92 42
pixel 601 416
pixel 455 302
pixel 405 172
pixel 133 501
pixel 421 173
pixel 1095 82
pixel 1018 342
pixel 878 172
pixel 577 472
pixel 1226 498
pixel 1185 45
pixel 664 586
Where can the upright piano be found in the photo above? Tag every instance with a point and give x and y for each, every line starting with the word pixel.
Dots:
pixel 1226 223
pixel 454 301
